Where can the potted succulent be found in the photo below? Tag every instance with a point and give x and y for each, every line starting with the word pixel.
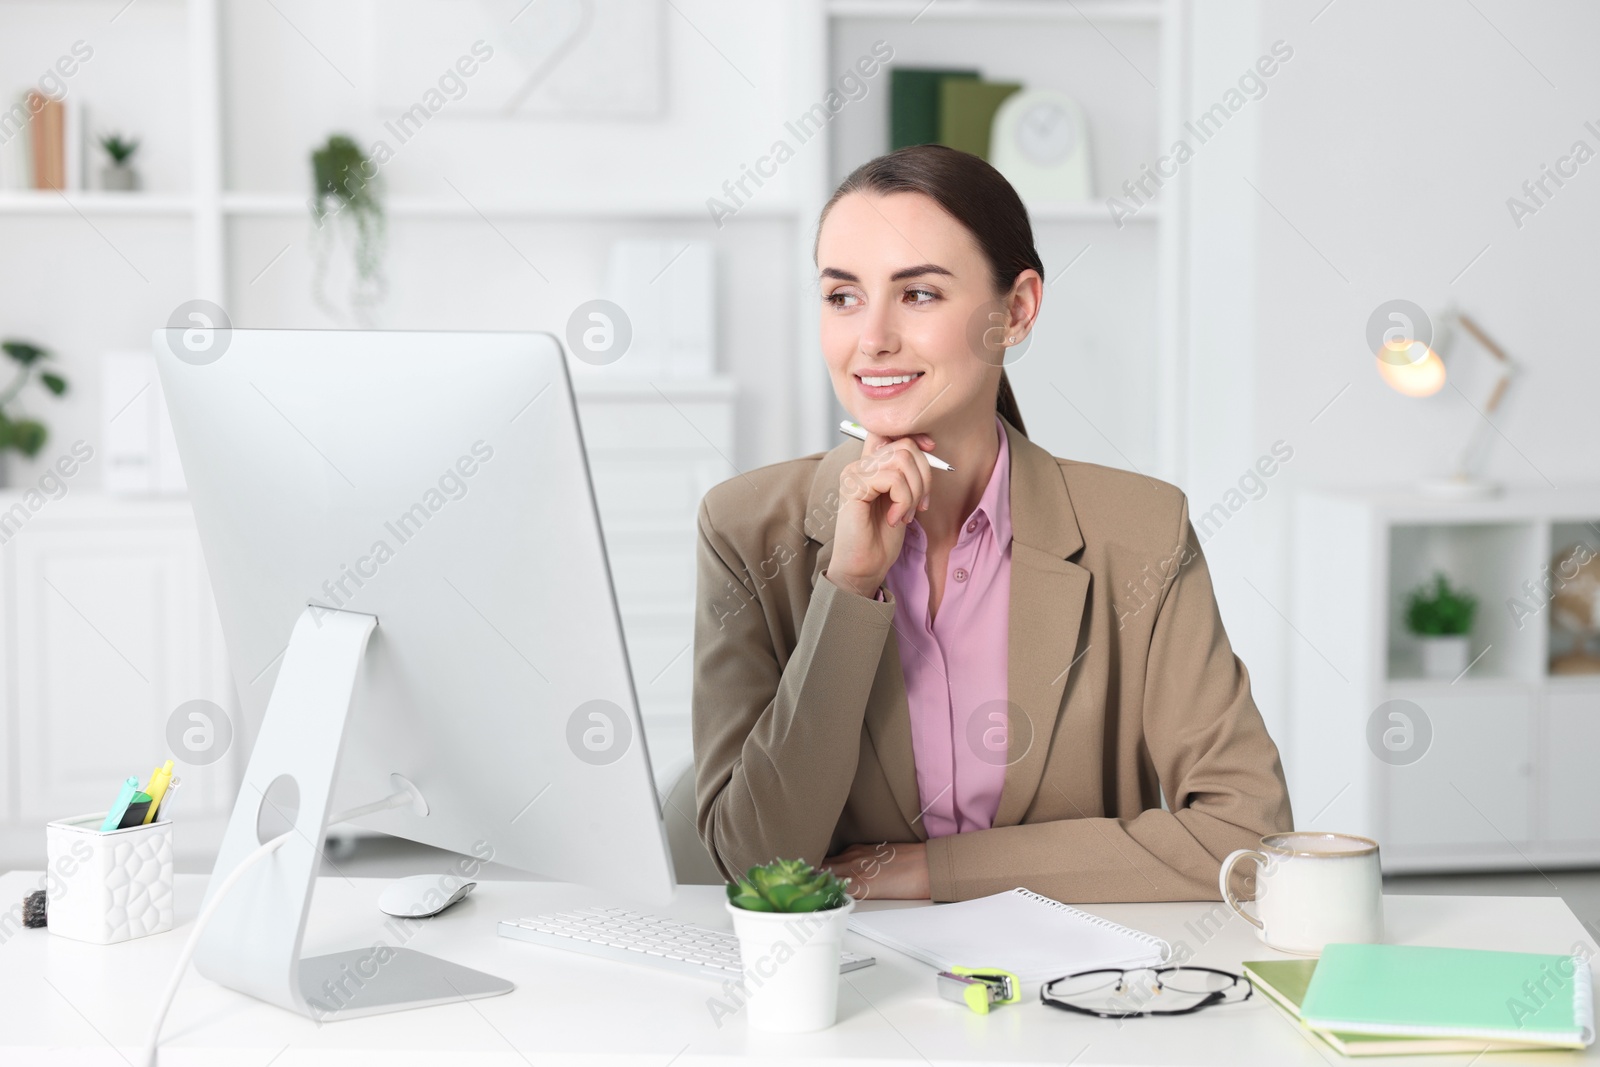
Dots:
pixel 119 173
pixel 1440 617
pixel 790 920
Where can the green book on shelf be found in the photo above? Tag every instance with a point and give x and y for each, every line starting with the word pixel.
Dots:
pixel 966 112
pixel 1477 995
pixel 914 103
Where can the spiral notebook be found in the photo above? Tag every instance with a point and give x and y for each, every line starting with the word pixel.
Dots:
pixel 1020 931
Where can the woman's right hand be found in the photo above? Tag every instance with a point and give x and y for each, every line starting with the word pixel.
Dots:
pixel 878 495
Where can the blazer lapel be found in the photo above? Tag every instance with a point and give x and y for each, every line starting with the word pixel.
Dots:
pixel 1047 598
pixel 1048 593
pixel 888 718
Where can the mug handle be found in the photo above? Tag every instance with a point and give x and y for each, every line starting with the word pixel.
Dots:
pixel 1222 881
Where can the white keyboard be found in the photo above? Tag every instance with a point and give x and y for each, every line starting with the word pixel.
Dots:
pixel 619 934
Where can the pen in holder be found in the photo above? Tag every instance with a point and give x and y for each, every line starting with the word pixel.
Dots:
pixel 108 886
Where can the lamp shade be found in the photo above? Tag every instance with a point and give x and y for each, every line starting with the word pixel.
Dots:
pixel 1411 368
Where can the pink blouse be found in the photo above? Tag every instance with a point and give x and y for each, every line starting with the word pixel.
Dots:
pixel 955 666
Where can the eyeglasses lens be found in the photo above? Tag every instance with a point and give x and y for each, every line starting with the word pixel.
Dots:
pixel 1139 991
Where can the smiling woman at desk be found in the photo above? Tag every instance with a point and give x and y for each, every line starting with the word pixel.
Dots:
pixel 948 683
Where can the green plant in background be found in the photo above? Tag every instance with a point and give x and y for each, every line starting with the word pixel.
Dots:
pixel 1439 610
pixel 788 886
pixel 23 434
pixel 119 148
pixel 345 192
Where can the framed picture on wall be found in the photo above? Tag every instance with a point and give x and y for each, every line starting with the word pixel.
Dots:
pixel 516 58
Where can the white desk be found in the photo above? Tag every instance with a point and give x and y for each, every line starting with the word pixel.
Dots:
pixel 66 1002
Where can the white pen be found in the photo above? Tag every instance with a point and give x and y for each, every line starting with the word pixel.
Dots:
pixel 164 809
pixel 851 429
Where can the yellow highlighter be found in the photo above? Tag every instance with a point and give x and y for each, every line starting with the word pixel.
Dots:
pixel 160 778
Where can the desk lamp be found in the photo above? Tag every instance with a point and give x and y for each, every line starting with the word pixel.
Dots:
pixel 1409 366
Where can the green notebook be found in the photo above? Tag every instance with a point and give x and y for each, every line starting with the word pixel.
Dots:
pixel 1418 991
pixel 1285 983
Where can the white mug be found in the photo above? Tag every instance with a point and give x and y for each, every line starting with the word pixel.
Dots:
pixel 1312 889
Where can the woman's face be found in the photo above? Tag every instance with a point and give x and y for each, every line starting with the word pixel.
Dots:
pixel 902 286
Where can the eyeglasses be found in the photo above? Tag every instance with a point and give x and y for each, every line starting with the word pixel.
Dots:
pixel 1115 993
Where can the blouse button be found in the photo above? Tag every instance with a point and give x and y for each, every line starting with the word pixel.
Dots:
pixel 961 574
pixel 973 525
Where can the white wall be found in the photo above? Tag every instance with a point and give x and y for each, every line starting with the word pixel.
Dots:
pixel 1387 147
pixel 1393 149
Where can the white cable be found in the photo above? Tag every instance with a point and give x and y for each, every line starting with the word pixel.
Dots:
pixel 147 1055
pixel 393 800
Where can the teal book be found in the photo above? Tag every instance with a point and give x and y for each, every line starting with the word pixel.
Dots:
pixel 1478 994
pixel 914 103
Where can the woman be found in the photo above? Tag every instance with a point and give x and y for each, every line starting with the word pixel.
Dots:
pixel 948 683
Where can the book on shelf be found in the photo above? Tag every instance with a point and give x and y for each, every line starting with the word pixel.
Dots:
pixel 16 145
pixel 75 144
pixel 48 130
pixel 44 144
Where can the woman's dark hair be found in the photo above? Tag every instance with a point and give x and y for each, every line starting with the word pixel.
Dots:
pixel 975 195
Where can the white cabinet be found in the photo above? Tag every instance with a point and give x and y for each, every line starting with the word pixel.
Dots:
pixel 1568 798
pixel 108 627
pixel 1471 790
pixel 654 449
pixel 107 620
pixel 1499 769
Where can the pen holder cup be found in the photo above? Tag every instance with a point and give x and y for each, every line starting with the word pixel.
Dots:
pixel 107 886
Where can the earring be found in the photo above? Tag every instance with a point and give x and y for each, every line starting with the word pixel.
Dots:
pixel 1011 340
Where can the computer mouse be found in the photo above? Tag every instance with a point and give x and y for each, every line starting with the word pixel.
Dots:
pixel 421 896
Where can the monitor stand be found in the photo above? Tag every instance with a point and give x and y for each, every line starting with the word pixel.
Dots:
pixel 254 938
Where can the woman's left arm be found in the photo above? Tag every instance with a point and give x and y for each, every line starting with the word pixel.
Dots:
pixel 1218 769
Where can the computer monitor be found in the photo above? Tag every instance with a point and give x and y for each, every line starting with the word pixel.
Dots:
pixel 408 562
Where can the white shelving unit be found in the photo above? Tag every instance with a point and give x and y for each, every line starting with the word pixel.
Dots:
pixel 1114 345
pixel 209 205
pixel 241 204
pixel 1500 775
pixel 93 203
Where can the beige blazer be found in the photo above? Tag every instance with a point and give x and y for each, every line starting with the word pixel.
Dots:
pixel 1126 688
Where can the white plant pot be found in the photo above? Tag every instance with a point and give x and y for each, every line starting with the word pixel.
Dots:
pixel 791 966
pixel 1444 657
pixel 121 179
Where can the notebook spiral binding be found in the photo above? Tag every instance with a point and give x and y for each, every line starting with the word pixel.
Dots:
pixel 1164 949
pixel 1583 997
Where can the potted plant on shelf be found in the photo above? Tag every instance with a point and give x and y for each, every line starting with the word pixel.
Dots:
pixel 17 432
pixel 1440 617
pixel 346 198
pixel 119 174
pixel 790 921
